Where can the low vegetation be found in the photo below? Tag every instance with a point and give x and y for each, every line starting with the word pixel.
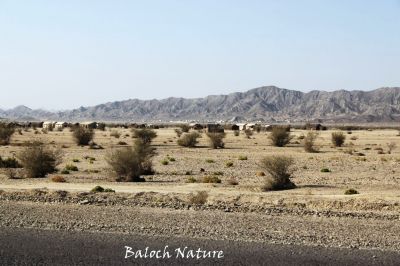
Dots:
pixel 309 142
pixel 338 138
pixel 6 132
pixel 280 136
pixel 83 136
pixel 146 135
pixel 199 198
pixel 216 140
pixel 39 160
pixel 189 139
pixel 351 191
pixel 279 168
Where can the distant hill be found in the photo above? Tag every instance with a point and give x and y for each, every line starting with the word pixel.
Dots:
pixel 265 103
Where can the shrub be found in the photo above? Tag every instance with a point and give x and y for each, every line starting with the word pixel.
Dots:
pixel 6 132
pixel 210 161
pixel 236 133
pixel 216 140
pixel 115 134
pixel 185 128
pixel 97 189
pixel 82 136
pixel 280 136
pixel 325 170
pixel 146 135
pixel 11 173
pixel 65 172
pixel 122 143
pixel 178 132
pixel 9 163
pixel 101 126
pixel 38 160
pixel 391 146
pixel 351 191
pixel 171 159
pixel 191 179
pixel 199 198
pixel 242 158
pixel 188 139
pixel 248 133
pixel 71 167
pixel 211 179
pixel 309 142
pixel 75 160
pixel 229 164
pixel 164 162
pixel 219 173
pixel 338 138
pixel 109 190
pixel 129 164
pixel 58 179
pixel 279 170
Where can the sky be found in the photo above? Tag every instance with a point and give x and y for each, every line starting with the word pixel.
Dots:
pixel 60 55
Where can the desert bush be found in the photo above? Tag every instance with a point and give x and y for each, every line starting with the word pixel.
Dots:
pixel 122 143
pixel 83 136
pixel 65 172
pixel 216 140
pixel 11 173
pixel 6 132
pixel 325 170
pixel 242 158
pixel 171 159
pixel 210 161
pixel 165 162
pixel 58 179
pixel 39 160
pixel 351 191
pixel 309 142
pixel 9 163
pixel 280 136
pixel 76 160
pixel 236 133
pixel 191 179
pixel 71 167
pixel 199 198
pixel 279 169
pixel 115 134
pixel 101 126
pixel 129 164
pixel 338 138
pixel 97 189
pixel 146 135
pixel 178 132
pixel 211 179
pixel 229 164
pixel 260 173
pixel 391 146
pixel 188 139
pixel 248 133
pixel 185 128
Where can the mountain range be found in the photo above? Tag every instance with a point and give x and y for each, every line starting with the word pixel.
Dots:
pixel 269 104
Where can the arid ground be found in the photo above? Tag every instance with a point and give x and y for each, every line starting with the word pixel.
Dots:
pixel 316 213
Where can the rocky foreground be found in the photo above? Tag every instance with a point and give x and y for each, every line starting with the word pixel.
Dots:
pixel 149 216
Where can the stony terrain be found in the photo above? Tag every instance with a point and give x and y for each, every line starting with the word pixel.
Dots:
pixel 264 103
pixel 315 213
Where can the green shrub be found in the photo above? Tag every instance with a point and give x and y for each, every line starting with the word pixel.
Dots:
pixel 65 172
pixel 97 189
pixel 211 179
pixel 325 170
pixel 38 160
pixel 229 164
pixel 146 135
pixel 171 159
pixel 191 179
pixel 115 134
pixel 338 138
pixel 210 161
pixel 129 164
pixel 309 142
pixel 279 169
pixel 280 136
pixel 164 162
pixel 71 167
pixel 351 191
pixel 82 136
pixel 188 139
pixel 219 173
pixel 216 140
pixel 9 163
pixel 242 158
pixel 6 132
pixel 76 160
pixel 185 128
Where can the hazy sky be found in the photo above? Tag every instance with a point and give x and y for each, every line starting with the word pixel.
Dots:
pixel 64 54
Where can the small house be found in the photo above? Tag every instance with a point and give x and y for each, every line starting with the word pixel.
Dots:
pixel 90 125
pixel 60 125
